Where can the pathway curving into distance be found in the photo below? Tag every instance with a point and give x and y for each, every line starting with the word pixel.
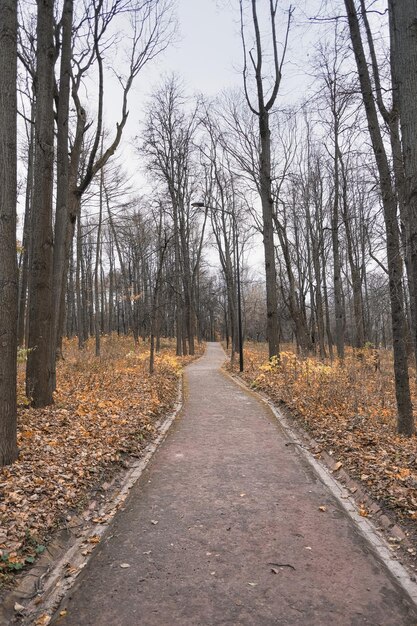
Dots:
pixel 239 538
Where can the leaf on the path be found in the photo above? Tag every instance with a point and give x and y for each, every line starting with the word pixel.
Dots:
pixel 154 521
pixel 322 508
pixel 70 570
pixel 308 548
pixel 253 584
pixel 124 565
pixel 43 620
pixel 363 512
pixel 94 539
pixel 275 567
pixel 63 613
pixel 337 466
pixel 18 607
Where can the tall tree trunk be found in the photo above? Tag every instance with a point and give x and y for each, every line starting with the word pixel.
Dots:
pixel 403 17
pixel 60 263
pixel 355 269
pixel 8 199
pixel 268 234
pixel 38 372
pixel 97 326
pixel 337 273
pixel 78 288
pixel 265 186
pixel 23 284
pixel 405 422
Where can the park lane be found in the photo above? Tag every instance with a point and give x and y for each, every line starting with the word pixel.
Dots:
pixel 224 528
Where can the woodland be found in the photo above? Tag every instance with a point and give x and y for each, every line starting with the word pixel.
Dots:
pixel 109 287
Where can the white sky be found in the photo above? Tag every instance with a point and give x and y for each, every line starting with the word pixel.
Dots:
pixel 208 56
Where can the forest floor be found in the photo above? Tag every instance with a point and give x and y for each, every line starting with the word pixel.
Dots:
pixel 105 410
pixel 349 409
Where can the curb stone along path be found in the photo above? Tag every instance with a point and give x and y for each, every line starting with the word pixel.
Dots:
pixel 56 570
pixel 366 526
pixel 229 526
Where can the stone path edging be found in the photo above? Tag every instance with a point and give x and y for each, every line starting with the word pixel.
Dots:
pixel 377 542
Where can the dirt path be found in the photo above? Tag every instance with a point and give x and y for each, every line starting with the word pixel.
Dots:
pixel 224 528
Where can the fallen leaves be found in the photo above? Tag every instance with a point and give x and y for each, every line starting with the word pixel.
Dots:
pixel 105 409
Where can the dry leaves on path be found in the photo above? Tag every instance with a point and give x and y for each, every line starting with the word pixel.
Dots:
pixel 104 409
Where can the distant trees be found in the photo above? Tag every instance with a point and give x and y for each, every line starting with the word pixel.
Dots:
pixel 169 136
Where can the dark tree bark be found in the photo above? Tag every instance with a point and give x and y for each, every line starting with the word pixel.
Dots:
pixel 403 16
pixel 24 266
pixel 38 372
pixel 8 265
pixel 62 190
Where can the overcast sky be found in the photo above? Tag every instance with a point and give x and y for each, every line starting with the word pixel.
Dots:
pixel 208 52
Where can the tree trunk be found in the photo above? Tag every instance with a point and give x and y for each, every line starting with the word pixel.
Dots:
pixel 78 288
pixel 403 17
pixel 38 372
pixel 405 422
pixel 23 284
pixel 337 275
pixel 8 199
pixel 268 234
pixel 60 262
pixel 97 326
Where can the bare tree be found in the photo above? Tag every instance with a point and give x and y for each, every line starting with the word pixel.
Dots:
pixel 403 57
pixel 264 105
pixel 151 28
pixel 405 421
